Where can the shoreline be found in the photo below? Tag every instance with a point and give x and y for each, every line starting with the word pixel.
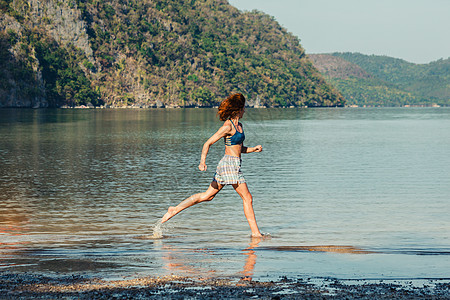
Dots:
pixel 203 107
pixel 29 285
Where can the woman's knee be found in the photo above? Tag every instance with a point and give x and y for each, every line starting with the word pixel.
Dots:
pixel 205 197
pixel 247 198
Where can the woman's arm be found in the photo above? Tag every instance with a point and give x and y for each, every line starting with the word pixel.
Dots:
pixel 222 132
pixel 251 149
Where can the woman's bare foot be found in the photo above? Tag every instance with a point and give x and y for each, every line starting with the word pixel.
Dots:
pixel 257 235
pixel 169 214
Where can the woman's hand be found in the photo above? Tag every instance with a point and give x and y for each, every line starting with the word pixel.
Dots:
pixel 202 166
pixel 257 148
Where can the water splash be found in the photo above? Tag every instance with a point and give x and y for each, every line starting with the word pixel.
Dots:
pixel 157 233
pixel 157 230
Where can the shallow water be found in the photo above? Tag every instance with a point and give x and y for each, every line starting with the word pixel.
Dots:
pixel 345 193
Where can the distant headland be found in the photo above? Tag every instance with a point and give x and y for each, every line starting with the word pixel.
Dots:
pixel 371 80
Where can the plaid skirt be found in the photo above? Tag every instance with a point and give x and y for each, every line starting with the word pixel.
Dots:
pixel 229 171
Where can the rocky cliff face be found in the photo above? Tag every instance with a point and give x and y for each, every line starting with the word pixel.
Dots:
pixel 17 90
pixel 29 72
pixel 63 22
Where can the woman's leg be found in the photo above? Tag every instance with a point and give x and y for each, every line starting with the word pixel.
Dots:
pixel 243 191
pixel 210 193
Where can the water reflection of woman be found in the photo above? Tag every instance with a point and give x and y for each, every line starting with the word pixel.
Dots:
pixel 251 260
pixel 228 171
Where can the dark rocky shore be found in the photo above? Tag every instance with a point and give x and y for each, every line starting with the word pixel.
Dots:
pixel 31 286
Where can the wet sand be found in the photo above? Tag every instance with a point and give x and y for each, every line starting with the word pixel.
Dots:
pixel 32 286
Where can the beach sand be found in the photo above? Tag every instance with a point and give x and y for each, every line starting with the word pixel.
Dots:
pixel 32 286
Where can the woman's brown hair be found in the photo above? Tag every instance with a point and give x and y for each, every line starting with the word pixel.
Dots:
pixel 230 107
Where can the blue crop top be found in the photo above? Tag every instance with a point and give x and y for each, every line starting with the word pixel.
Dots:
pixel 236 139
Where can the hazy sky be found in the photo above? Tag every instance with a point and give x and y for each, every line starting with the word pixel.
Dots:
pixel 415 30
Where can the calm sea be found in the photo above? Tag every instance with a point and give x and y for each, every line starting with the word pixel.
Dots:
pixel 344 193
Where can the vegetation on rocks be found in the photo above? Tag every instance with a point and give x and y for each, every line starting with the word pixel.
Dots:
pixel 176 53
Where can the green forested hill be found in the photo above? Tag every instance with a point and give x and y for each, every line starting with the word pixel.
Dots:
pixel 360 87
pixel 414 84
pixel 142 52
